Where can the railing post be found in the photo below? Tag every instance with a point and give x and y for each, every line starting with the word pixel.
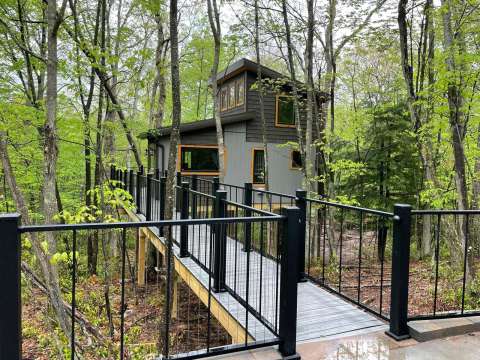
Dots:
pixel 216 185
pixel 247 200
pixel 130 182
pixel 139 191
pixel 289 283
pixel 148 210
pixel 178 198
pixel 184 215
pixel 10 296
pixel 112 172
pixel 194 187
pixel 400 272
pixel 163 193
pixel 157 188
pixel 220 243
pixel 125 179
pixel 301 203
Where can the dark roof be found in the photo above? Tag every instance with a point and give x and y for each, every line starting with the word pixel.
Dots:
pixel 155 134
pixel 245 64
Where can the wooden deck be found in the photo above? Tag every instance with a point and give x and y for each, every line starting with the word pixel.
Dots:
pixel 321 314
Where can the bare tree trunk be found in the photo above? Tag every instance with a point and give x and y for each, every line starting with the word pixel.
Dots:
pixel 415 109
pixel 160 79
pixel 103 77
pixel 455 66
pixel 172 164
pixel 50 154
pixel 49 272
pixel 260 96
pixel 214 19
pixel 293 78
pixel 309 159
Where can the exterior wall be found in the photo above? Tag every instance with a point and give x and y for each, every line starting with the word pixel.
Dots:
pixel 277 135
pixel 239 162
pixel 239 158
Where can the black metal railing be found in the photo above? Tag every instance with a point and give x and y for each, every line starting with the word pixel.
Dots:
pixel 245 290
pixel 348 251
pixel 442 270
pixel 372 258
pixel 248 254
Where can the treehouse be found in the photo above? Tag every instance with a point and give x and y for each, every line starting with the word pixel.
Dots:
pixel 242 130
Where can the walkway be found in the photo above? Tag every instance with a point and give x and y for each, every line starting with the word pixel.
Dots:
pixel 321 314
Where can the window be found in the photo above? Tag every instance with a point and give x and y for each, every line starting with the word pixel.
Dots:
pixel 240 87
pixel 223 98
pixel 295 159
pixel 258 166
pixel 231 95
pixel 285 116
pixel 199 159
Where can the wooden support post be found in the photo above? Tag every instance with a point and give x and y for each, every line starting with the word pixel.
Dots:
pixel 175 297
pixel 141 258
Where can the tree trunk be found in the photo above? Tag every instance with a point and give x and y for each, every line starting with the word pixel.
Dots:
pixel 50 154
pixel 214 19
pixel 455 42
pixel 260 96
pixel 172 164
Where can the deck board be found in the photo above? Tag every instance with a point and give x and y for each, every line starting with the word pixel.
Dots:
pixel 320 314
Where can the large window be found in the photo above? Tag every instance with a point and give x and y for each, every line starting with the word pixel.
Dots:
pixel 285 116
pixel 258 166
pixel 240 89
pixel 295 159
pixel 199 159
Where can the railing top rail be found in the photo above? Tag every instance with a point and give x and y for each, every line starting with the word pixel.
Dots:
pixel 246 207
pixel 351 207
pixel 232 186
pixel 121 225
pixel 445 212
pixel 201 194
pixel 198 178
pixel 267 192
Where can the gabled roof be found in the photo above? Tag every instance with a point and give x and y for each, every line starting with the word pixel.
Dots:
pixel 154 134
pixel 245 65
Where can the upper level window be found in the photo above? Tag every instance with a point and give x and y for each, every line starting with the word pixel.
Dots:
pixel 285 116
pixel 223 98
pixel 231 95
pixel 199 159
pixel 258 166
pixel 295 159
pixel 240 90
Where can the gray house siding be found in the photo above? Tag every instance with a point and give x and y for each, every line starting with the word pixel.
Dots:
pixel 277 135
pixel 239 162
pixel 239 158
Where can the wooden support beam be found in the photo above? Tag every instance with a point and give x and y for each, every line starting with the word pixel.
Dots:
pixel 141 258
pixel 175 297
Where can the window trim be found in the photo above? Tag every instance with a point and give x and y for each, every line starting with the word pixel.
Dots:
pixel 252 160
pixel 241 81
pixel 277 124
pixel 230 85
pixel 223 106
pixel 291 160
pixel 201 146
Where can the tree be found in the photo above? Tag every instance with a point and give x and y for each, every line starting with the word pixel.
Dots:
pixel 214 19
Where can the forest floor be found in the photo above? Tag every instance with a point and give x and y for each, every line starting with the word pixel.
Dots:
pixel 188 331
